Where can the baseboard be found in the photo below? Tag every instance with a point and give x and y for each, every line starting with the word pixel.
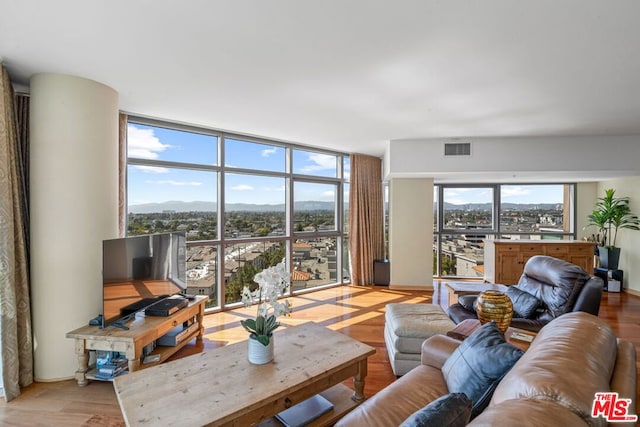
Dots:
pixel 425 287
pixel 631 291
pixel 52 380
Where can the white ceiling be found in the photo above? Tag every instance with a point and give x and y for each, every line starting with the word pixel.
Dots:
pixel 349 75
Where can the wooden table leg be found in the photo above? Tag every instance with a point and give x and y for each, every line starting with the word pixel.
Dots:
pixel 358 381
pixel 83 363
pixel 200 320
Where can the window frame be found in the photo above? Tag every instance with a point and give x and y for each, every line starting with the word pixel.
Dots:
pixel 222 242
pixel 496 232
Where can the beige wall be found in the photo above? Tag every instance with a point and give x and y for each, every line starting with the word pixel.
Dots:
pixel 411 233
pixel 628 240
pixel 586 194
pixel 74 206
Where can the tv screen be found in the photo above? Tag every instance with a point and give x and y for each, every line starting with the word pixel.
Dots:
pixel 139 271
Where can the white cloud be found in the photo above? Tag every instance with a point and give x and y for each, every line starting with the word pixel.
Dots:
pixel 242 187
pixel 175 183
pixel 269 151
pixel 457 201
pixel 327 195
pixel 143 144
pixel 319 162
pixel 152 169
pixel 513 191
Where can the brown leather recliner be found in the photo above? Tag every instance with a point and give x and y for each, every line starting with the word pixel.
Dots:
pixel 560 287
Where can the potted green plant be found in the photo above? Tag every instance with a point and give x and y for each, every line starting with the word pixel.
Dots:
pixel 611 214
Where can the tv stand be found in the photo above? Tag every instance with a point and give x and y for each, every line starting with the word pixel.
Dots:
pixel 141 332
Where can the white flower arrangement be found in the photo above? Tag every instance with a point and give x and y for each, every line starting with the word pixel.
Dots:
pixel 273 282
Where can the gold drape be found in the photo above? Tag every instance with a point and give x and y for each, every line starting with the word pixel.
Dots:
pixel 366 237
pixel 15 320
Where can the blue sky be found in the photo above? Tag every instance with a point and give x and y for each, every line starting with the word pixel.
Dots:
pixel 509 194
pixel 159 184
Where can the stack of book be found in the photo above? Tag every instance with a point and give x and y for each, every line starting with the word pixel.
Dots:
pixel 111 365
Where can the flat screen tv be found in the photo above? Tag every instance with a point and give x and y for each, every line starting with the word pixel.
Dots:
pixel 139 271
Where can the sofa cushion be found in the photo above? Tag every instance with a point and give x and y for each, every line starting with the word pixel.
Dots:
pixel 524 304
pixel 528 413
pixel 468 302
pixel 450 410
pixel 577 347
pixel 394 403
pixel 478 364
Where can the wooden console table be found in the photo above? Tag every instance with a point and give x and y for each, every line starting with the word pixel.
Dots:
pixel 504 260
pixel 221 387
pixel 143 330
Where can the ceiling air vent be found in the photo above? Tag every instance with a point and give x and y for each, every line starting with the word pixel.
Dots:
pixel 457 149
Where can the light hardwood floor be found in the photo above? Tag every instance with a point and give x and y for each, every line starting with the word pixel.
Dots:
pixel 354 311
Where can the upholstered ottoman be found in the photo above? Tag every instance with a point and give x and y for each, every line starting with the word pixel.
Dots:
pixel 406 327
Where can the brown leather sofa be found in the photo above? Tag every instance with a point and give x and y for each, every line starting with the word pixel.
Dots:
pixel 552 384
pixel 560 287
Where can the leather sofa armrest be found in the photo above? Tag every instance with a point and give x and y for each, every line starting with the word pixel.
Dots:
pixel 437 349
pixel 458 313
pixel 589 297
pixel 624 376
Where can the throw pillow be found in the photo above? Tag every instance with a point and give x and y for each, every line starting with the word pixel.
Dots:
pixel 468 302
pixel 476 367
pixel 524 304
pixel 450 410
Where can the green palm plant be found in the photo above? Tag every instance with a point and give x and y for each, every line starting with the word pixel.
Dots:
pixel 611 214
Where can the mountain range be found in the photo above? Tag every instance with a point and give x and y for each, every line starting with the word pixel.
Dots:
pixel 505 206
pixel 179 206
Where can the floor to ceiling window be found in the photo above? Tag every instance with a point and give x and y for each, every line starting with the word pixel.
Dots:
pixel 467 215
pixel 244 204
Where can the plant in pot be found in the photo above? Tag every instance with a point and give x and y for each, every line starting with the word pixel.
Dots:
pixel 273 282
pixel 611 213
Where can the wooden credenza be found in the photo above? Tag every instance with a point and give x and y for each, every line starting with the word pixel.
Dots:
pixel 504 260
pixel 142 331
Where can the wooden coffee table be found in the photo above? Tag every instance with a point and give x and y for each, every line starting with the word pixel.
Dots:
pixel 220 387
pixel 466 328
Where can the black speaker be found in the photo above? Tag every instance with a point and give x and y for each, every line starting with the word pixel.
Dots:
pixel 381 272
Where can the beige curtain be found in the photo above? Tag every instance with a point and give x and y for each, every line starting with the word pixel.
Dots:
pixel 122 175
pixel 366 237
pixel 15 306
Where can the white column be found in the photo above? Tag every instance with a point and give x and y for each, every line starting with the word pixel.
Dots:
pixel 411 233
pixel 74 206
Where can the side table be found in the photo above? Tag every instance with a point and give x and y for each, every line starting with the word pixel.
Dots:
pixel 456 289
pixel 466 328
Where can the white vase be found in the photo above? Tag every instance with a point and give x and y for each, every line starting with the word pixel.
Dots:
pixel 259 354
